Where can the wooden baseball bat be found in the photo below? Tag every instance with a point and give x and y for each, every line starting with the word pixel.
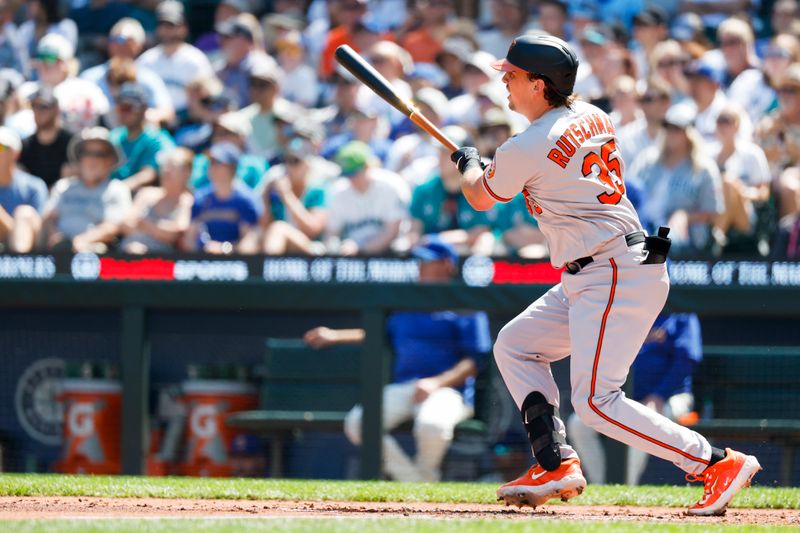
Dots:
pixel 366 73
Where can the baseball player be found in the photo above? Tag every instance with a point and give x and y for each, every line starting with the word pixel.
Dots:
pixel 614 284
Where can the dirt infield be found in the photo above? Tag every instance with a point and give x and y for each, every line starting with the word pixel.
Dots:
pixel 25 508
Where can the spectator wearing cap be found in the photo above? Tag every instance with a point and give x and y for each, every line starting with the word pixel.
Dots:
pixel 225 213
pixel 635 138
pixel 82 103
pixel 779 136
pixel 745 181
pixel 625 102
pixel 595 44
pixel 349 14
pixel 649 29
pixel 295 204
pixel 367 205
pixel 709 99
pixel 267 109
pixel 363 125
pixel 242 51
pixel 681 183
pixel 438 207
pixel 437 356
pixel 160 215
pixel 478 74
pixel 393 63
pixel 22 198
pixel 345 101
pixel 139 141
pixel 44 153
pixel 435 106
pixel 235 129
pixel 45 16
pixel 779 54
pixel 84 212
pixel 210 42
pixel 126 40
pixel 206 100
pixel 433 24
pixel 173 59
pixel 743 81
pixel 452 59
pixel 300 81
pixel 494 129
pixel 510 18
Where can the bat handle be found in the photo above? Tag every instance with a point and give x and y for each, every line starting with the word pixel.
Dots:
pixel 423 122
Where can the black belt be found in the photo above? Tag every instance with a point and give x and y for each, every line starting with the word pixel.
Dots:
pixel 631 239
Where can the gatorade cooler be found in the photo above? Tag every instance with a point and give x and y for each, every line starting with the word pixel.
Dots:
pixel 92 426
pixel 208 439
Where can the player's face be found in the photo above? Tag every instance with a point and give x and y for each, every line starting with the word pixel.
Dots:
pixel 519 91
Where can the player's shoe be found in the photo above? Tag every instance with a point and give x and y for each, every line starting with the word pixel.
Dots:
pixel 538 485
pixel 722 481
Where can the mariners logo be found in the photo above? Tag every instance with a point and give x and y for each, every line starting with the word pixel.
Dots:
pixel 39 412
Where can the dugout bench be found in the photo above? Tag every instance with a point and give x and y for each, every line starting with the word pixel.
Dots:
pixel 303 389
pixel 754 393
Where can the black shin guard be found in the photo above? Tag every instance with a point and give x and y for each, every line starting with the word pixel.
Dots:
pixel 538 417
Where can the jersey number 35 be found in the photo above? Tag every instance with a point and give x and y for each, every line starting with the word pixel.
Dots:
pixel 610 172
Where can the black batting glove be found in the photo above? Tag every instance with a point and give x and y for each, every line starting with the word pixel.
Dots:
pixel 466 158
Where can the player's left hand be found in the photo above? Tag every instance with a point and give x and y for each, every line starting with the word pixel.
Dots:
pixel 466 157
pixel 425 387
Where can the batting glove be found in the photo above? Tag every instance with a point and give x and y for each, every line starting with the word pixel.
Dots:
pixel 466 158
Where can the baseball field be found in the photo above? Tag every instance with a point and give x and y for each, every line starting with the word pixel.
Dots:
pixel 56 503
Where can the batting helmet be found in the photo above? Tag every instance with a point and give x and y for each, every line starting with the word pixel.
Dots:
pixel 545 56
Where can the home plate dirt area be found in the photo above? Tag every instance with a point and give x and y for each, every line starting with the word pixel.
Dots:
pixel 27 508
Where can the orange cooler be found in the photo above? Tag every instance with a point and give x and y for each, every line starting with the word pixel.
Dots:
pixel 92 426
pixel 208 438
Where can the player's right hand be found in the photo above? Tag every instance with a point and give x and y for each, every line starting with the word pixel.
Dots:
pixel 466 157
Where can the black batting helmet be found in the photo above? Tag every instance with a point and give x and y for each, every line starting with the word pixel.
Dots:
pixel 545 56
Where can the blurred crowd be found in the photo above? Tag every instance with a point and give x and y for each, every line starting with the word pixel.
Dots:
pixel 226 126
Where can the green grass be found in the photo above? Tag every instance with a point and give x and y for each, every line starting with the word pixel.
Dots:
pixel 379 491
pixel 366 525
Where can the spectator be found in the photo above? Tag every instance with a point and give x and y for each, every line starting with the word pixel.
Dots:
pixel 82 103
pixel 452 60
pixel 349 14
pixel 668 62
pixel 44 153
pixel 264 80
pixel 430 27
pixel 126 41
pixel 708 98
pixel 681 183
pixel 160 215
pixel 363 125
pixel 438 207
pixel 22 198
pixel 649 29
pixel 743 82
pixel 141 143
pixel 45 16
pixel 509 19
pixel 394 64
pixel 783 18
pixel 553 18
pixel 241 48
pixel 295 202
pixel 367 205
pixel 625 103
pixel 437 356
pixel 175 61
pixel 211 42
pixel 13 53
pixel 300 84
pixel 662 381
pixel 782 51
pixel 745 176
pixel 335 117
pixel 779 136
pixel 466 109
pixel 634 138
pixel 517 232
pixel 595 44
pixel 435 106
pixel 206 101
pixel 235 129
pixel 84 212
pixel 225 213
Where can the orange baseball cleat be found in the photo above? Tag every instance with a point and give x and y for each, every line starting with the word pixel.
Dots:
pixel 722 481
pixel 538 485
